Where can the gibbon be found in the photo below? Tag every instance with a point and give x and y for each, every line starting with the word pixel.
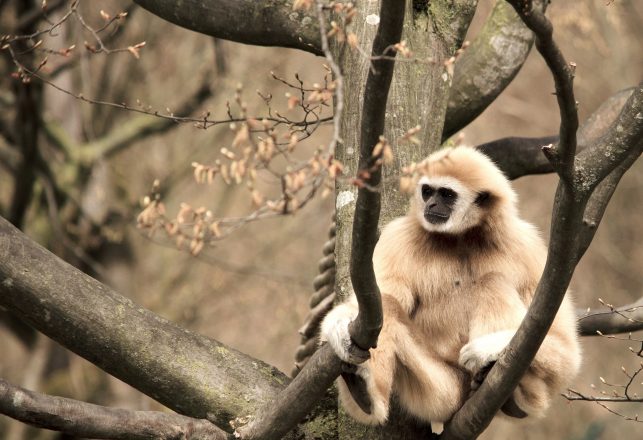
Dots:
pixel 456 276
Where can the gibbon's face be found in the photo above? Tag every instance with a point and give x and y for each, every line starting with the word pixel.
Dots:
pixel 446 205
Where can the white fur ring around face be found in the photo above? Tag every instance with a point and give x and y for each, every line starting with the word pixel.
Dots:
pixel 483 350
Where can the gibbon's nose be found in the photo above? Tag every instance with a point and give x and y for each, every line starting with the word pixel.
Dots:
pixel 432 205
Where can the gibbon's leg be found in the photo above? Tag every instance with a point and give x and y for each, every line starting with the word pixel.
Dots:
pixel 364 389
pixel 555 365
pixel 427 387
pixel 495 318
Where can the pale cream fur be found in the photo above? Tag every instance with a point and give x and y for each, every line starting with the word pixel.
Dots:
pixel 453 297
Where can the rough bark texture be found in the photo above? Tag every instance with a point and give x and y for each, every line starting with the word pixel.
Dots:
pixel 189 373
pixel 262 23
pixel 418 96
pixel 487 67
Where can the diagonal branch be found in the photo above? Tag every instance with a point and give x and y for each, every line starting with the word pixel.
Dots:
pixel 82 419
pixel 487 67
pixel 258 22
pixel 561 156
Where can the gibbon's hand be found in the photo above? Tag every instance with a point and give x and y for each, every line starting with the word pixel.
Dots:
pixel 479 355
pixel 335 332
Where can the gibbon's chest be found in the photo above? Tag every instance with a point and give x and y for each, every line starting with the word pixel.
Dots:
pixel 444 291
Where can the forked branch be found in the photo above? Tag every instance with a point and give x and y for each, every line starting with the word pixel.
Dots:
pixel 565 248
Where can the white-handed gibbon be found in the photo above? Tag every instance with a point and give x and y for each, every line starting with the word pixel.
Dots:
pixel 456 276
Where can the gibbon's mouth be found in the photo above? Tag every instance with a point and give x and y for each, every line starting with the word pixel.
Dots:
pixel 436 218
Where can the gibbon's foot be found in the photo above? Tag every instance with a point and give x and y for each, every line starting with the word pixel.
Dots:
pixel 510 407
pixel 356 384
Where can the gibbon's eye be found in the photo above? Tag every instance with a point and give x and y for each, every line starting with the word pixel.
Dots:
pixel 427 192
pixel 447 193
pixel 482 198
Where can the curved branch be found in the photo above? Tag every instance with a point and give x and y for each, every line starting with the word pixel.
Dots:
pixel 624 319
pixel 258 22
pixel 518 157
pixel 487 67
pixel 366 327
pixel 562 257
pixel 94 421
pixel 187 372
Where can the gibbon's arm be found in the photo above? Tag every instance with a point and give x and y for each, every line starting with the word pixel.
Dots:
pixel 495 315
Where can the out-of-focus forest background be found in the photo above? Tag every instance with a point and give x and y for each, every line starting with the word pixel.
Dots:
pixel 251 290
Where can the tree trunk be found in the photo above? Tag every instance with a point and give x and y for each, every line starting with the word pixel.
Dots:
pixel 418 96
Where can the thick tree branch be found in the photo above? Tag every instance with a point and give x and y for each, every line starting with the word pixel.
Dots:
pixel 487 67
pixel 258 22
pixel 601 196
pixel 94 421
pixel 189 373
pixel 610 321
pixel 595 164
pixel 518 157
